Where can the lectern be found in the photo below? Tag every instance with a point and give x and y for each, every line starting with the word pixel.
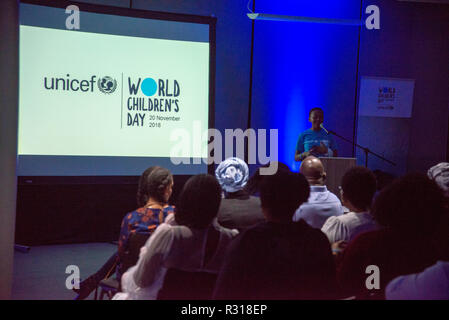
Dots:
pixel 335 169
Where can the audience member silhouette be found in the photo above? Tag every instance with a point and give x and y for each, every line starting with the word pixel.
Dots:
pixel 238 210
pixel 433 282
pixel 358 186
pixel 279 259
pixel 253 185
pixel 322 203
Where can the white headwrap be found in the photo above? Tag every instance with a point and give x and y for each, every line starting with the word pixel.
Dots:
pixel 232 174
pixel 440 173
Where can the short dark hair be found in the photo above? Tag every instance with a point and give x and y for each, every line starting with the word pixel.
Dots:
pixel 316 109
pixel 359 186
pixel 283 192
pixel 413 203
pixel 152 183
pixel 198 201
pixel 253 184
pixel 383 178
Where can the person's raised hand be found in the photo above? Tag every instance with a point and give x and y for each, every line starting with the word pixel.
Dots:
pixel 321 149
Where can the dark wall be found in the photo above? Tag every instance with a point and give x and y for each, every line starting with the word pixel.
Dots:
pixel 71 213
pixel 51 212
pixel 412 43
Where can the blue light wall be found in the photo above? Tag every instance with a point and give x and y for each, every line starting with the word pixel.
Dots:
pixel 298 66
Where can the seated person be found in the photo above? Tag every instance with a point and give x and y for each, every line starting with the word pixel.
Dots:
pixel 157 187
pixel 238 210
pixel 180 242
pixel 358 187
pixel 433 282
pixel 253 185
pixel 322 203
pixel 279 258
pixel 154 190
pixel 412 212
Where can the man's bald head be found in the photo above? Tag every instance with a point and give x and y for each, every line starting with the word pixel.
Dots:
pixel 313 170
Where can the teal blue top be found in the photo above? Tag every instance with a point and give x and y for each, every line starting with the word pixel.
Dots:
pixel 311 138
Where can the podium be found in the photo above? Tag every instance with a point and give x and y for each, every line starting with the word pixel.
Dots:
pixel 335 168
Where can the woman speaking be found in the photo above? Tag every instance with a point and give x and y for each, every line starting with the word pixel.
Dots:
pixel 315 141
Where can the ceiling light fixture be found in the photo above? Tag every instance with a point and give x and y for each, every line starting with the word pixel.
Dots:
pixel 277 17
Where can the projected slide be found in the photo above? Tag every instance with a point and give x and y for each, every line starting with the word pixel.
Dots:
pixel 86 96
pixel 104 95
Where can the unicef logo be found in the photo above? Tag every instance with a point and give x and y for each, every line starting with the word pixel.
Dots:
pixel 107 84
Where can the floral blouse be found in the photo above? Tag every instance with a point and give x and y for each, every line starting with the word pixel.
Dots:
pixel 142 220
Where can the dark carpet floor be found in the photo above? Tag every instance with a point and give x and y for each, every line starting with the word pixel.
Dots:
pixel 40 273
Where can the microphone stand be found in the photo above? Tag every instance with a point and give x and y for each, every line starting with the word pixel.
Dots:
pixel 366 150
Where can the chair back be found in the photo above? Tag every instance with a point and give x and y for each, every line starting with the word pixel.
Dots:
pixel 192 285
pixel 136 241
pixel 187 285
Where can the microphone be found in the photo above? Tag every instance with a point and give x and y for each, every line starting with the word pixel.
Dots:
pixel 322 127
